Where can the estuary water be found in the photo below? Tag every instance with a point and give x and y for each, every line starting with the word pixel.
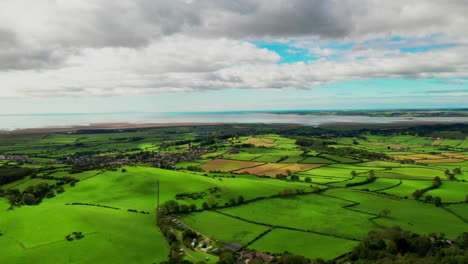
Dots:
pixel 23 121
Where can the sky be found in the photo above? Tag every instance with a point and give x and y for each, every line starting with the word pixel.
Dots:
pixel 96 56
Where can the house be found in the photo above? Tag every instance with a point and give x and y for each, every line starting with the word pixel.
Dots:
pixel 248 256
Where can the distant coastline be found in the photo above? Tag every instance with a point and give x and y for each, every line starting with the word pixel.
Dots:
pixel 70 122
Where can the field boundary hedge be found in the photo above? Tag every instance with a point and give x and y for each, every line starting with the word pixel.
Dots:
pixel 354 203
pixel 364 182
pixel 455 214
pixel 386 188
pixel 257 238
pixel 286 227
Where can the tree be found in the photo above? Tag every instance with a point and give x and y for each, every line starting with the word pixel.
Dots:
pixel 205 206
pixel 295 178
pixel 384 213
pixel 189 234
pixel 447 172
pixel 212 202
pixel 240 199
pixel 184 208
pixel 353 173
pixel 192 207
pixel 457 171
pixel 12 200
pixel 428 199
pixel 437 201
pixel 123 170
pixel 308 179
pixel 60 189
pixel 232 201
pixel 28 199
pixel 170 207
pixel 294 259
pixel 372 174
pixel 227 258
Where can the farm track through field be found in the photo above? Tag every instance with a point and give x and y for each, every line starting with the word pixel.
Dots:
pixel 286 227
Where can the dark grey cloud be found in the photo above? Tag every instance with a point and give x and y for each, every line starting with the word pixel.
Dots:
pixel 106 47
pixel 68 25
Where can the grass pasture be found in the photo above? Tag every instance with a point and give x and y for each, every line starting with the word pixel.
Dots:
pixel 429 161
pixel 450 192
pixel 379 184
pixel 318 160
pixel 292 169
pixel 108 232
pixel 338 158
pixel 260 142
pixel 407 188
pixel 170 181
pixel 327 213
pixel 261 170
pixel 306 244
pixel 33 182
pixel 242 156
pixel 273 169
pixel 223 228
pixel 293 159
pixel 287 215
pixel 268 159
pixel 228 165
pixel 460 209
pixel 409 214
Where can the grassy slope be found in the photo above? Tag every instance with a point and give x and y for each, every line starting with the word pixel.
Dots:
pixel 223 228
pixel 306 244
pixel 310 212
pixel 111 236
pixel 409 214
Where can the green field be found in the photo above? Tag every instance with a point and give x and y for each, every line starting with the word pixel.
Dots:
pixel 408 187
pixel 326 213
pixel 206 174
pixel 224 228
pixel 306 244
pixel 451 192
pixel 408 214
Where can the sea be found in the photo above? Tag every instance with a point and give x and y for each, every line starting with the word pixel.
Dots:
pixel 25 121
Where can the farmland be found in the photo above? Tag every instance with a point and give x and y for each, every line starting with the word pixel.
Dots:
pixel 189 193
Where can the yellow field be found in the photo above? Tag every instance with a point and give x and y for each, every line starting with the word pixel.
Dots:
pixel 426 156
pixel 441 161
pixel 273 169
pixel 455 155
pixel 261 142
pixel 404 157
pixel 292 168
pixel 260 170
pixel 228 165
